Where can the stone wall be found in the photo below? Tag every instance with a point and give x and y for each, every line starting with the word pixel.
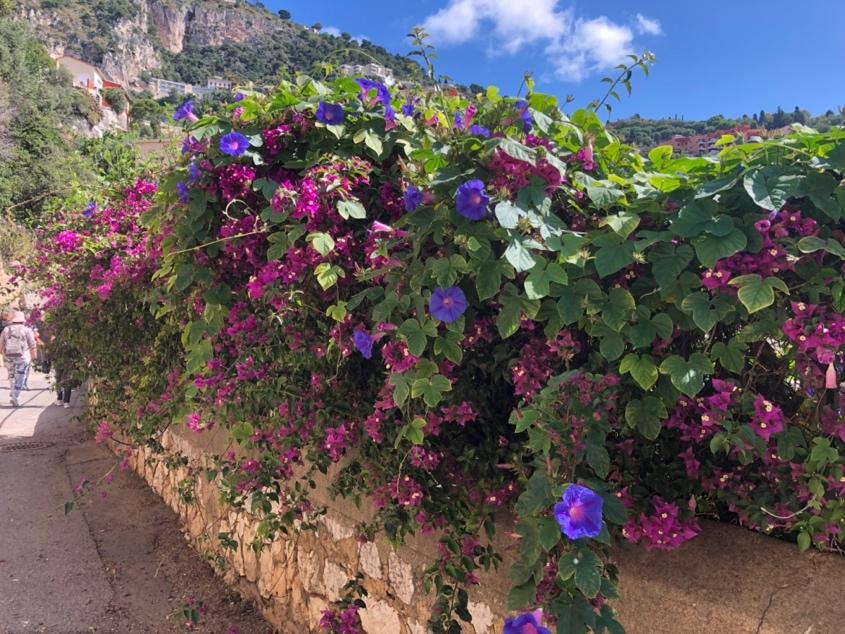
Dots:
pixel 728 580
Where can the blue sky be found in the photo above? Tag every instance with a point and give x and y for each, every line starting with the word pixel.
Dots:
pixel 713 56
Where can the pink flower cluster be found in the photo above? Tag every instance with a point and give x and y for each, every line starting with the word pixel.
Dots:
pixel 662 529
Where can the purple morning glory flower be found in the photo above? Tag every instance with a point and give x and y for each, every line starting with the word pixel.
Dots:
pixel 90 209
pixel 363 343
pixel 330 113
pixel 185 112
pixel 458 122
pixel 525 115
pixel 408 108
pixel 382 96
pixel 478 130
pixel 471 200
pixel 579 512
pixel 234 144
pixel 182 191
pixel 525 624
pixel 447 304
pixel 194 173
pixel 239 97
pixel 413 198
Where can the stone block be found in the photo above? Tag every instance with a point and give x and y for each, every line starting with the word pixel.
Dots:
pixel 379 618
pixel 401 577
pixel 334 578
pixel 482 617
pixel 370 560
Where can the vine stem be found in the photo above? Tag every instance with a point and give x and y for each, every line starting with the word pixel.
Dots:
pixel 791 515
pixel 208 244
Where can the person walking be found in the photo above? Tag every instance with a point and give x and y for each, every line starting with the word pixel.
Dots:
pixel 63 386
pixel 17 344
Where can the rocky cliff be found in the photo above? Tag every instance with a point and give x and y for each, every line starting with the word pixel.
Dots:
pixel 126 40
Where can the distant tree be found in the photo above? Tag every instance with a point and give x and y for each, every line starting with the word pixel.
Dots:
pixel 475 89
pixel 345 36
pixel 284 14
pixel 6 7
pixel 779 118
pixel 317 26
pixel 116 99
pixel 799 116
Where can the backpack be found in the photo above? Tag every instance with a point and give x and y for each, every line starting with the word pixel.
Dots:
pixel 16 341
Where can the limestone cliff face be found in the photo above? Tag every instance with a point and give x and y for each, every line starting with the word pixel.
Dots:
pixel 128 46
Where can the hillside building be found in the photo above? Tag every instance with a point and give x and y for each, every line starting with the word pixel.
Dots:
pixel 95 81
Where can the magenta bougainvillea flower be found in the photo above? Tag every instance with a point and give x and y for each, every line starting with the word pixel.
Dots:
pixel 579 512
pixel 528 623
pixel 413 198
pixel 234 144
pixel 330 113
pixel 185 112
pixel 768 418
pixel 363 343
pixel 471 200
pixel 447 304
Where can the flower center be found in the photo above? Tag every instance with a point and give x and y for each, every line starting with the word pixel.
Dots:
pixel 447 301
pixel 475 199
pixel 577 512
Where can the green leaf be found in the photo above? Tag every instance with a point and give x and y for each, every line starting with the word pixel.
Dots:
pixel 507 214
pixel 667 262
pixel 517 150
pixel 414 335
pixel 538 282
pixel 521 595
pixel 431 390
pixel 612 258
pixel 755 293
pixel 537 495
pixel 710 248
pixel 642 369
pixel 770 187
pixel 646 415
pixel 322 243
pixel 401 389
pixel 703 310
pixel 694 218
pixel 619 308
pixel 328 274
pixel 519 255
pixel 588 569
pixel 549 532
pixel 351 209
pixel 804 541
pixel 488 281
pixel 598 458
pixel 622 223
pixel 687 375
pixel 731 356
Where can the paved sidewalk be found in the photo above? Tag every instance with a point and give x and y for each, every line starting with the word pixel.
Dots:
pixel 118 564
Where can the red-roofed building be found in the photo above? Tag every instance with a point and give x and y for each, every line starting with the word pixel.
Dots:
pixel 94 81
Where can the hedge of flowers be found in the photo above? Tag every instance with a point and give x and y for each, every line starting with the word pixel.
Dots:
pixel 469 305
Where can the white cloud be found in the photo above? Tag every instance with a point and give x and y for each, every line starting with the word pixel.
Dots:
pixel 576 46
pixel 647 26
pixel 331 30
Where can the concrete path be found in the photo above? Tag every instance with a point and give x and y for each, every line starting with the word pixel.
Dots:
pixel 116 562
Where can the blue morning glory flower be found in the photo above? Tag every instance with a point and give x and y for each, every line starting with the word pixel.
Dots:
pixel 194 173
pixel 90 209
pixel 363 343
pixel 524 114
pixel 382 95
pixel 413 198
pixel 330 113
pixel 579 512
pixel 183 192
pixel 478 130
pixel 408 107
pixel 234 144
pixel 471 200
pixel 447 304
pixel 525 624
pixel 239 97
pixel 185 112
pixel 458 121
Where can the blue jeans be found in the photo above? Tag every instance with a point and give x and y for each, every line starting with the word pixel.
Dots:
pixel 16 368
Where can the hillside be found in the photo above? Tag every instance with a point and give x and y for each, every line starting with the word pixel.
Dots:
pixel 649 132
pixel 191 40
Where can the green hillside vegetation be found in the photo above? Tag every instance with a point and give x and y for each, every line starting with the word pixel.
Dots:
pixel 649 132
pixel 37 102
pixel 294 49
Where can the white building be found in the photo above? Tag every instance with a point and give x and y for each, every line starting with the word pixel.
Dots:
pixel 94 81
pixel 373 71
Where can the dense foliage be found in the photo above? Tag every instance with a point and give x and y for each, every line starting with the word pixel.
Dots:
pixel 471 306
pixel 36 104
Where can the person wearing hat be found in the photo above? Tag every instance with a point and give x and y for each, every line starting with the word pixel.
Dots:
pixel 17 344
